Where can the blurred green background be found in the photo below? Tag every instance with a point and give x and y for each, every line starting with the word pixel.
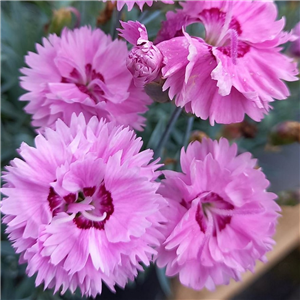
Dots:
pixel 24 23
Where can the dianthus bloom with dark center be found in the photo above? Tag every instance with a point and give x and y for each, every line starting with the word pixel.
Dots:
pixel 82 71
pixel 82 206
pixel 220 217
pixel 236 69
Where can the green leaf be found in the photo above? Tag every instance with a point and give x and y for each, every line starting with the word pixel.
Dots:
pixel 164 281
pixel 6 248
pixel 25 288
pixel 8 109
pixel 155 136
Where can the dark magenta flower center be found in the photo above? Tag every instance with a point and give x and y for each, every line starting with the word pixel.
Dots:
pixel 211 212
pixel 217 23
pixel 223 31
pixel 90 83
pixel 91 207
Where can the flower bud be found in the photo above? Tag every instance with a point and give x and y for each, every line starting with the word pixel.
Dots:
pixel 144 62
pixel 244 129
pixel 63 18
pixel 106 14
pixel 198 135
pixel 285 133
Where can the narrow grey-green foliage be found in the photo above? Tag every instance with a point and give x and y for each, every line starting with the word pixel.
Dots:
pixel 24 23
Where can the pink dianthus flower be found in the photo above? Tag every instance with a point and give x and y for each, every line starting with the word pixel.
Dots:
pixel 220 216
pixel 236 69
pixel 82 206
pixel 140 3
pixel 82 71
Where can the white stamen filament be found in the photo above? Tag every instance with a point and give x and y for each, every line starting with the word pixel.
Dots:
pixel 209 230
pixel 234 45
pixel 222 212
pixel 64 218
pixel 87 200
pixel 232 212
pixel 210 224
pixel 94 218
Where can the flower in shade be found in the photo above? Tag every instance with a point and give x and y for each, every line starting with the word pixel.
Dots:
pixel 172 26
pixel 144 60
pixel 140 3
pixel 82 206
pixel 81 71
pixel 220 216
pixel 236 69
pixel 295 46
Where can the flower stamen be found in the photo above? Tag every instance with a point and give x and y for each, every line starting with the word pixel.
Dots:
pixel 94 218
pixel 234 45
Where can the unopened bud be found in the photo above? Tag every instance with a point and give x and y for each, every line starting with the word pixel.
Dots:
pixel 144 62
pixel 289 197
pixel 198 135
pixel 286 133
pixel 106 14
pixel 145 59
pixel 63 18
pixel 244 129
pixel 170 161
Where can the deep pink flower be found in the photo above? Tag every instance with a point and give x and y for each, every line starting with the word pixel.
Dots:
pixel 82 207
pixel 140 3
pixel 144 60
pixel 220 217
pixel 172 27
pixel 236 70
pixel 82 71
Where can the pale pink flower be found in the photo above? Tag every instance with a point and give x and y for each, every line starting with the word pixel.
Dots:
pixel 144 60
pixel 236 70
pixel 220 216
pixel 140 3
pixel 82 206
pixel 82 71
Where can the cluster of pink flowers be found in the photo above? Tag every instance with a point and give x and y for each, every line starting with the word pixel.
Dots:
pixel 236 70
pixel 84 206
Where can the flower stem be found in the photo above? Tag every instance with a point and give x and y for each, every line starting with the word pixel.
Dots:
pixel 165 136
pixel 188 130
pixel 115 23
pixel 185 141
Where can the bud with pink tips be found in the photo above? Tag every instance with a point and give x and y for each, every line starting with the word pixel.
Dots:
pixel 144 60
